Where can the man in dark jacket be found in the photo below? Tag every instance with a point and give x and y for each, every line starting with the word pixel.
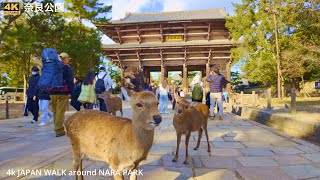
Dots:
pixel 60 98
pixel 32 101
pixel 216 83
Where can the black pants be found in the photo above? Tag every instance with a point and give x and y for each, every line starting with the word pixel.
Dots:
pixel 197 100
pixel 174 104
pixel 102 104
pixel 33 107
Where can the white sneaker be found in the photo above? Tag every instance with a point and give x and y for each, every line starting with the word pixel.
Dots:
pixel 42 124
pixel 33 121
pixel 51 119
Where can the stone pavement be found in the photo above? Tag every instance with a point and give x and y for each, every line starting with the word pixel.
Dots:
pixel 240 149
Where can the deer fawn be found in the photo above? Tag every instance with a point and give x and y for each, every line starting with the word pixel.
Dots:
pixel 113 103
pixel 120 142
pixel 188 118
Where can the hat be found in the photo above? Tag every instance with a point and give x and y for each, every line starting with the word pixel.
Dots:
pixel 102 68
pixel 64 55
pixel 35 69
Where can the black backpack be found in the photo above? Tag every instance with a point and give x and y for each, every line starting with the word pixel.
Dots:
pixel 100 87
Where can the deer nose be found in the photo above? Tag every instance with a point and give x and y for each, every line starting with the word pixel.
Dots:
pixel 179 111
pixel 157 119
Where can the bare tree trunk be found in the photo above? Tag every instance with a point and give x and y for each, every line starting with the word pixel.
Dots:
pixel 283 88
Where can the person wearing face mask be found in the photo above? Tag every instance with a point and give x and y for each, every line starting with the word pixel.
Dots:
pixel 32 100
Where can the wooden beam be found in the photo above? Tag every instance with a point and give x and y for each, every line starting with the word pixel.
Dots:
pixel 174 53
pixel 209 30
pixel 138 56
pixel 119 35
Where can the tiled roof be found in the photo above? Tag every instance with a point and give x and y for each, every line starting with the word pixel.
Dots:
pixel 216 13
pixel 168 44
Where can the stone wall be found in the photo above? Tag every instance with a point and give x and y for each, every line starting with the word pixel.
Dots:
pixel 293 127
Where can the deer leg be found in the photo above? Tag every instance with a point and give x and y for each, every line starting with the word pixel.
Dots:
pixel 121 112
pixel 177 150
pixel 187 143
pixel 118 176
pixel 133 175
pixel 206 133
pixel 199 138
pixel 76 160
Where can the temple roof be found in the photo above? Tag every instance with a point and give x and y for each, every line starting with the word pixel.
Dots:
pixel 168 44
pixel 216 13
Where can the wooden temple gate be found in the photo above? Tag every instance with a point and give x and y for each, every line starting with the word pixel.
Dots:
pixel 170 41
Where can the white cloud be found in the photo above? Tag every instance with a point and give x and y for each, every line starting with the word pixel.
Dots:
pixel 121 7
pixel 177 5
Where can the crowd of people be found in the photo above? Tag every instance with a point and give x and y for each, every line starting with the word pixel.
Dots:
pixel 82 93
pixel 85 93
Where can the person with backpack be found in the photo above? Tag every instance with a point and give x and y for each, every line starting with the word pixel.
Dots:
pixel 60 96
pixel 216 81
pixel 197 89
pixel 103 83
pixel 33 101
pixel 88 96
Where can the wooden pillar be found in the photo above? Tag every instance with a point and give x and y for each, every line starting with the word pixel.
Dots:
pixel 122 76
pixel 185 78
pixel 269 98
pixel 207 84
pixel 228 68
pixel 162 73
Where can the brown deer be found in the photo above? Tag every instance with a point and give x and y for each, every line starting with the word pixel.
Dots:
pixel 122 143
pixel 187 119
pixel 113 103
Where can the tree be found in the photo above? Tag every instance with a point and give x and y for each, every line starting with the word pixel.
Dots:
pixel 298 28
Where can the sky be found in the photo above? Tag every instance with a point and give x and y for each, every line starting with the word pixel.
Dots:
pixel 121 7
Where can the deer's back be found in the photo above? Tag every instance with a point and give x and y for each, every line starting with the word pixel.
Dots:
pixel 190 120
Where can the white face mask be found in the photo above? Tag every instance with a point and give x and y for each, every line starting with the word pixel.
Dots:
pixel 34 73
pixel 128 80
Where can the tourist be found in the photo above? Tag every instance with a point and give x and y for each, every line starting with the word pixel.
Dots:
pixel 32 100
pixel 197 89
pixel 60 98
pixel 88 96
pixel 162 94
pixel 173 89
pixel 76 93
pixel 107 82
pixel 216 81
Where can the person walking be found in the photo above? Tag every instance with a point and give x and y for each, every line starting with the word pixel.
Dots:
pixel 60 98
pixel 197 89
pixel 162 93
pixel 76 93
pixel 216 81
pixel 105 85
pixel 32 100
pixel 88 96
pixel 44 101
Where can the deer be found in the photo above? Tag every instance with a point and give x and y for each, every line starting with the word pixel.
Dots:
pixel 113 103
pixel 120 142
pixel 190 117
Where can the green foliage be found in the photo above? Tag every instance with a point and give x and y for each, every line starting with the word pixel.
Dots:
pixel 298 27
pixel 30 33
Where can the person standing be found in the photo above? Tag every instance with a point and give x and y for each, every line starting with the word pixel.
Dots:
pixel 216 81
pixel 162 93
pixel 32 100
pixel 88 96
pixel 107 83
pixel 44 101
pixel 197 89
pixel 173 91
pixel 76 93
pixel 60 98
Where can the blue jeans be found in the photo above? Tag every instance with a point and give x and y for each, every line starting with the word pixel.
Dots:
pixel 213 98
pixel 43 105
pixel 163 103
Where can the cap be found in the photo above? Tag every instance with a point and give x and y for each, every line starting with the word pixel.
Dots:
pixel 35 68
pixel 102 68
pixel 64 55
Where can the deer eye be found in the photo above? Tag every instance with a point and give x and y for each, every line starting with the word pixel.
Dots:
pixel 139 105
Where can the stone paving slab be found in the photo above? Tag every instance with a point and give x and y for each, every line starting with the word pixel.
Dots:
pixel 240 149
